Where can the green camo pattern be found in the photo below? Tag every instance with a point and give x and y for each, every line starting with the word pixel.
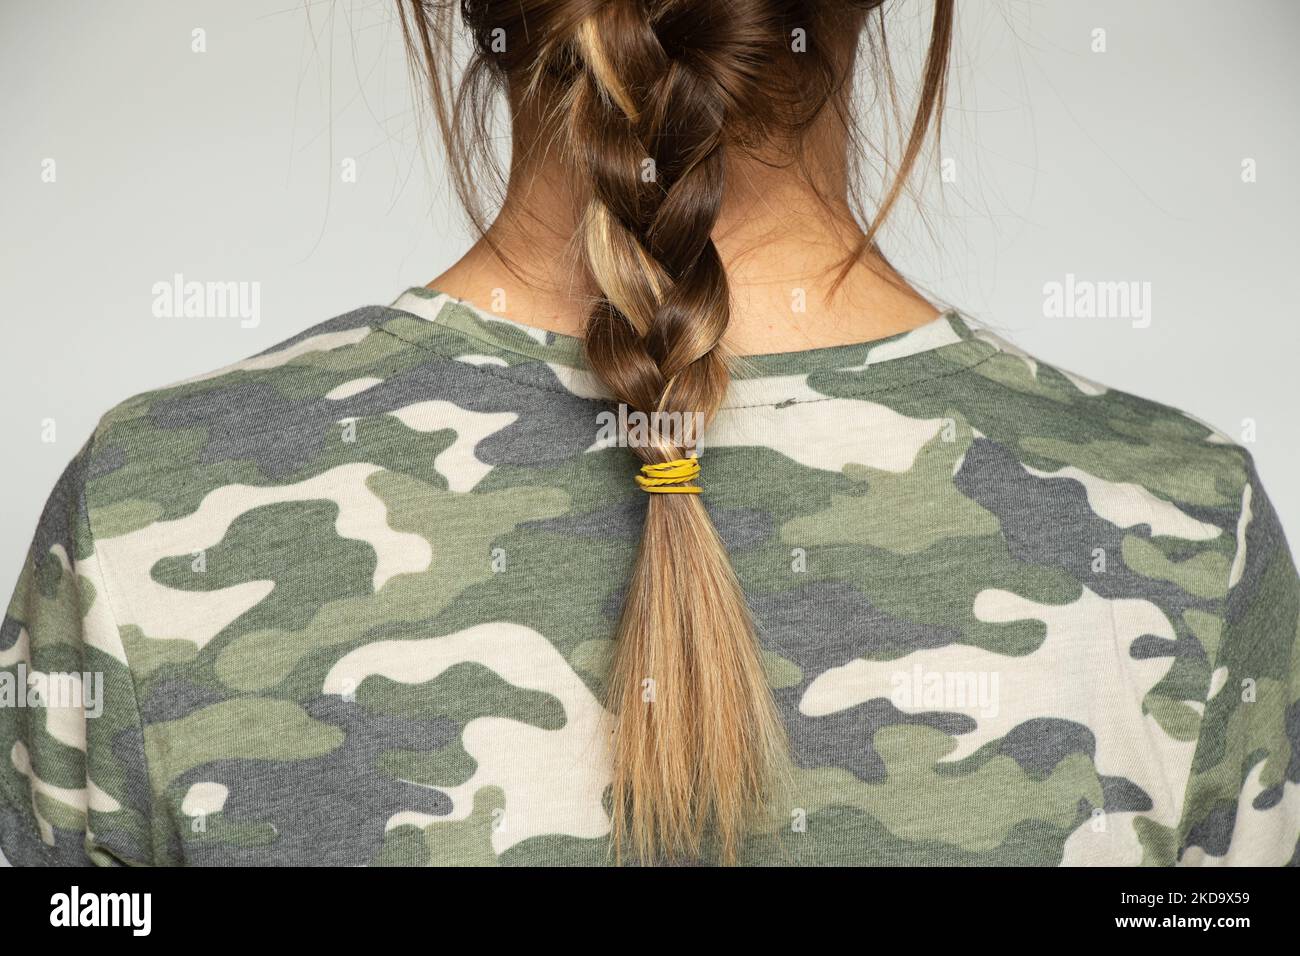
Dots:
pixel 350 602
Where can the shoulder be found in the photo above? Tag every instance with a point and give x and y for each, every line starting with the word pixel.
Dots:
pixel 324 355
pixel 1058 418
pixel 263 416
pixel 291 388
pixel 366 387
pixel 1074 467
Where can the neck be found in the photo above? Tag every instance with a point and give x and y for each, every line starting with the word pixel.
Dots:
pixel 784 233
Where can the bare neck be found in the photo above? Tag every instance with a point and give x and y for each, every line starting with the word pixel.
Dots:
pixel 782 244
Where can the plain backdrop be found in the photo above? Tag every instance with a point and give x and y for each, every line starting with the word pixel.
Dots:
pixel 1104 140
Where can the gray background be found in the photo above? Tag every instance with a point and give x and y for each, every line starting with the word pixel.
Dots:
pixel 225 166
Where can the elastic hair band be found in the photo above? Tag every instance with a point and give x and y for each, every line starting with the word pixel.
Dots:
pixel 667 478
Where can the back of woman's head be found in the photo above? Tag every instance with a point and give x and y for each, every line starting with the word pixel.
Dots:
pixel 649 101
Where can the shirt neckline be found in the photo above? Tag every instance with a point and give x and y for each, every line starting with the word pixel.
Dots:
pixel 948 343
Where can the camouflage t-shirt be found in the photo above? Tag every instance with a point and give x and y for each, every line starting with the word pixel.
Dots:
pixel 351 601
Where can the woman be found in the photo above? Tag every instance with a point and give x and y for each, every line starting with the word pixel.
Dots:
pixel 669 524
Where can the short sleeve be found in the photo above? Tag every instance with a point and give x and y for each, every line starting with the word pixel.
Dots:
pixel 74 787
pixel 1242 804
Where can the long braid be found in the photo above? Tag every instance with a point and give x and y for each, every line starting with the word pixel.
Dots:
pixel 696 730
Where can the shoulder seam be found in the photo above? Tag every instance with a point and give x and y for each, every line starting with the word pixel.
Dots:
pixel 1222 604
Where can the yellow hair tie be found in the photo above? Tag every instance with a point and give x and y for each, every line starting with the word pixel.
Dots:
pixel 666 478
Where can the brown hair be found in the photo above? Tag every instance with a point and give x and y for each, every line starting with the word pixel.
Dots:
pixel 647 97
